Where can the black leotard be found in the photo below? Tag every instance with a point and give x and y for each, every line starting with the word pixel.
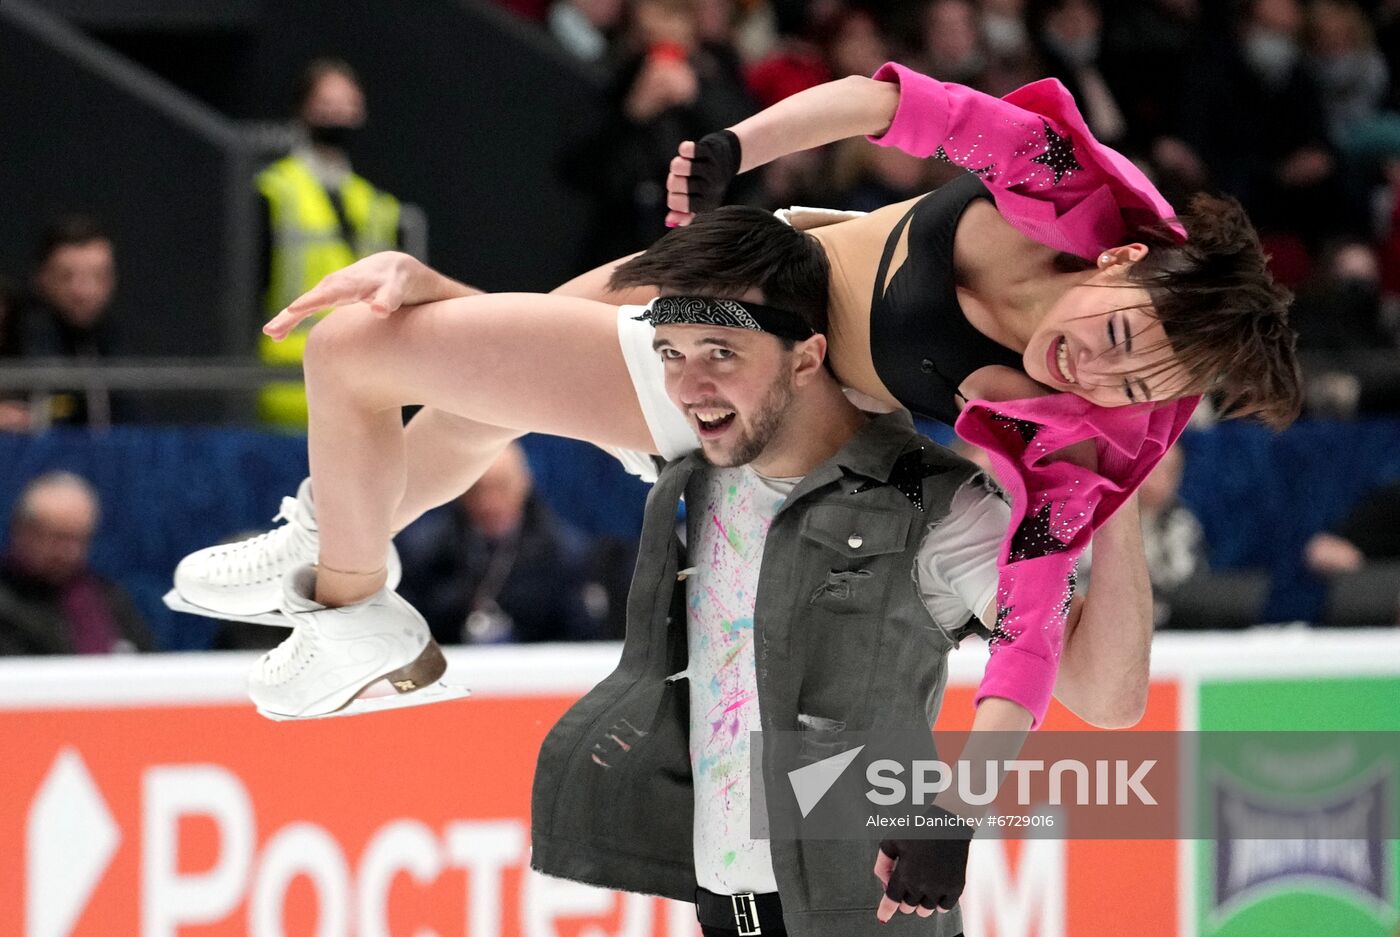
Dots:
pixel 921 343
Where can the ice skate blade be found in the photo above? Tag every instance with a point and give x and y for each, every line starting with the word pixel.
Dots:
pixel 177 603
pixel 360 706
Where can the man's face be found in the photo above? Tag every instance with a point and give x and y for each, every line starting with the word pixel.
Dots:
pixel 52 542
pixel 496 503
pixel 734 386
pixel 78 280
pixel 335 101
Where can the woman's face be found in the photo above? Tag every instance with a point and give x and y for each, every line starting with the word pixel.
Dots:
pixel 1102 341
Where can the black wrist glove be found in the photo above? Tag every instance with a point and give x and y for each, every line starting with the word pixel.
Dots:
pixel 714 166
pixel 929 872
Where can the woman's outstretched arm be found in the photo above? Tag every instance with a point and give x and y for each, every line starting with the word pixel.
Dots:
pixel 848 107
pixel 1032 148
pixel 390 280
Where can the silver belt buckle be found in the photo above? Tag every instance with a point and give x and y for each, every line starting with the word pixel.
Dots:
pixel 746 914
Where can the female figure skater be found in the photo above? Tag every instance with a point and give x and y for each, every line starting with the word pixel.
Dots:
pixel 1053 265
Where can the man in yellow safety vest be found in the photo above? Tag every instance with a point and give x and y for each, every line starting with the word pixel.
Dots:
pixel 319 216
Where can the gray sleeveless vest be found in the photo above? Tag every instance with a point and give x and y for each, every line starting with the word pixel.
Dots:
pixel 840 634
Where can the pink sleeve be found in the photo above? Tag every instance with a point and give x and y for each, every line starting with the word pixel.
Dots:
pixel 1055 508
pixel 1033 150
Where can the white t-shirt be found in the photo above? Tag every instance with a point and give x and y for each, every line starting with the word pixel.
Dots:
pixel 728 514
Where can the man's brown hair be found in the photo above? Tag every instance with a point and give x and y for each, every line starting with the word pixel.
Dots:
pixel 725 252
pixel 1225 318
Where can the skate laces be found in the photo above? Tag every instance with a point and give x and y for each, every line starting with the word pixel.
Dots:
pixel 267 555
pixel 292 656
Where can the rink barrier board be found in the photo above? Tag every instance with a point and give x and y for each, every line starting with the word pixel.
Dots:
pixel 149 799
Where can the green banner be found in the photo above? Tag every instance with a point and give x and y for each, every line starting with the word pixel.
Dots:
pixel 1328 775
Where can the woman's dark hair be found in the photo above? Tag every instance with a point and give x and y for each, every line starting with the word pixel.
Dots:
pixel 725 252
pixel 1225 318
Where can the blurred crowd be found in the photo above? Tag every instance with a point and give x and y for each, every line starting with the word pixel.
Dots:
pixel 1292 106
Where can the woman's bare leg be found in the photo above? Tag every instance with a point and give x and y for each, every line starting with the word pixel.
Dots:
pixel 446 453
pixel 514 361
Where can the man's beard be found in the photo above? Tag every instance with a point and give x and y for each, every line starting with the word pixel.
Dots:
pixel 767 421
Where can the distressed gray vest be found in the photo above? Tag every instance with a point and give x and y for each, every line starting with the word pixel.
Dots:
pixel 840 633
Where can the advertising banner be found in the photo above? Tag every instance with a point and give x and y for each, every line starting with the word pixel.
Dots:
pixel 1096 886
pixel 1323 760
pixel 145 797
pixel 201 819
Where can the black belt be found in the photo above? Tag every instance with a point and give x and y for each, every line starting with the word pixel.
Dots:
pixel 747 914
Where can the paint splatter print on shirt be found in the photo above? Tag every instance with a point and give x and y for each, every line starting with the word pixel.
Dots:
pixel 729 512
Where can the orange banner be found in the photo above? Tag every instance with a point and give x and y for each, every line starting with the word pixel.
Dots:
pixel 208 821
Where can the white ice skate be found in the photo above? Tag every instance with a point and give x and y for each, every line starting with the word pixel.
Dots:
pixel 335 654
pixel 243 581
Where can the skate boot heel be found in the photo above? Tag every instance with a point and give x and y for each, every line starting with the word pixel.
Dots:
pixel 425 670
pixel 371 656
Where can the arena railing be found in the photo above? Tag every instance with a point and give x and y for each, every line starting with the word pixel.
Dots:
pixel 41 378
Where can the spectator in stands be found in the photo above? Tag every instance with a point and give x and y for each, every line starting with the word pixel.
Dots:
pixel 856 45
pixel 672 85
pixel 716 26
pixel 1349 361
pixel 318 216
pixel 1252 113
pixel 1360 559
pixel 1353 79
pixel 1352 76
pixel 497 565
pixel 1004 28
pixel 1011 57
pixel 1173 539
pixel 1151 44
pixel 866 177
pixel 796 63
pixel 75 279
pixel 1369 534
pixel 1069 39
pixel 952 43
pixel 50 601
pixel 585 28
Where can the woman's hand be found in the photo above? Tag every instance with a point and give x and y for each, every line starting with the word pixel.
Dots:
pixel 385 281
pixel 847 107
pixel 700 175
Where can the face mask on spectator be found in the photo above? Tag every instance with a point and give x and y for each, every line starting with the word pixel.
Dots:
pixel 1004 34
pixel 1341 72
pixel 1271 54
pixel 1363 292
pixel 338 136
pixel 1078 52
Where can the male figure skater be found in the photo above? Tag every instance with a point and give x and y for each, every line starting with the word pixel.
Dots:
pixel 791 605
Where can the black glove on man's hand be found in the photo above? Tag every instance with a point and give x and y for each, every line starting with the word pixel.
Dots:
pixel 714 166
pixel 930 872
